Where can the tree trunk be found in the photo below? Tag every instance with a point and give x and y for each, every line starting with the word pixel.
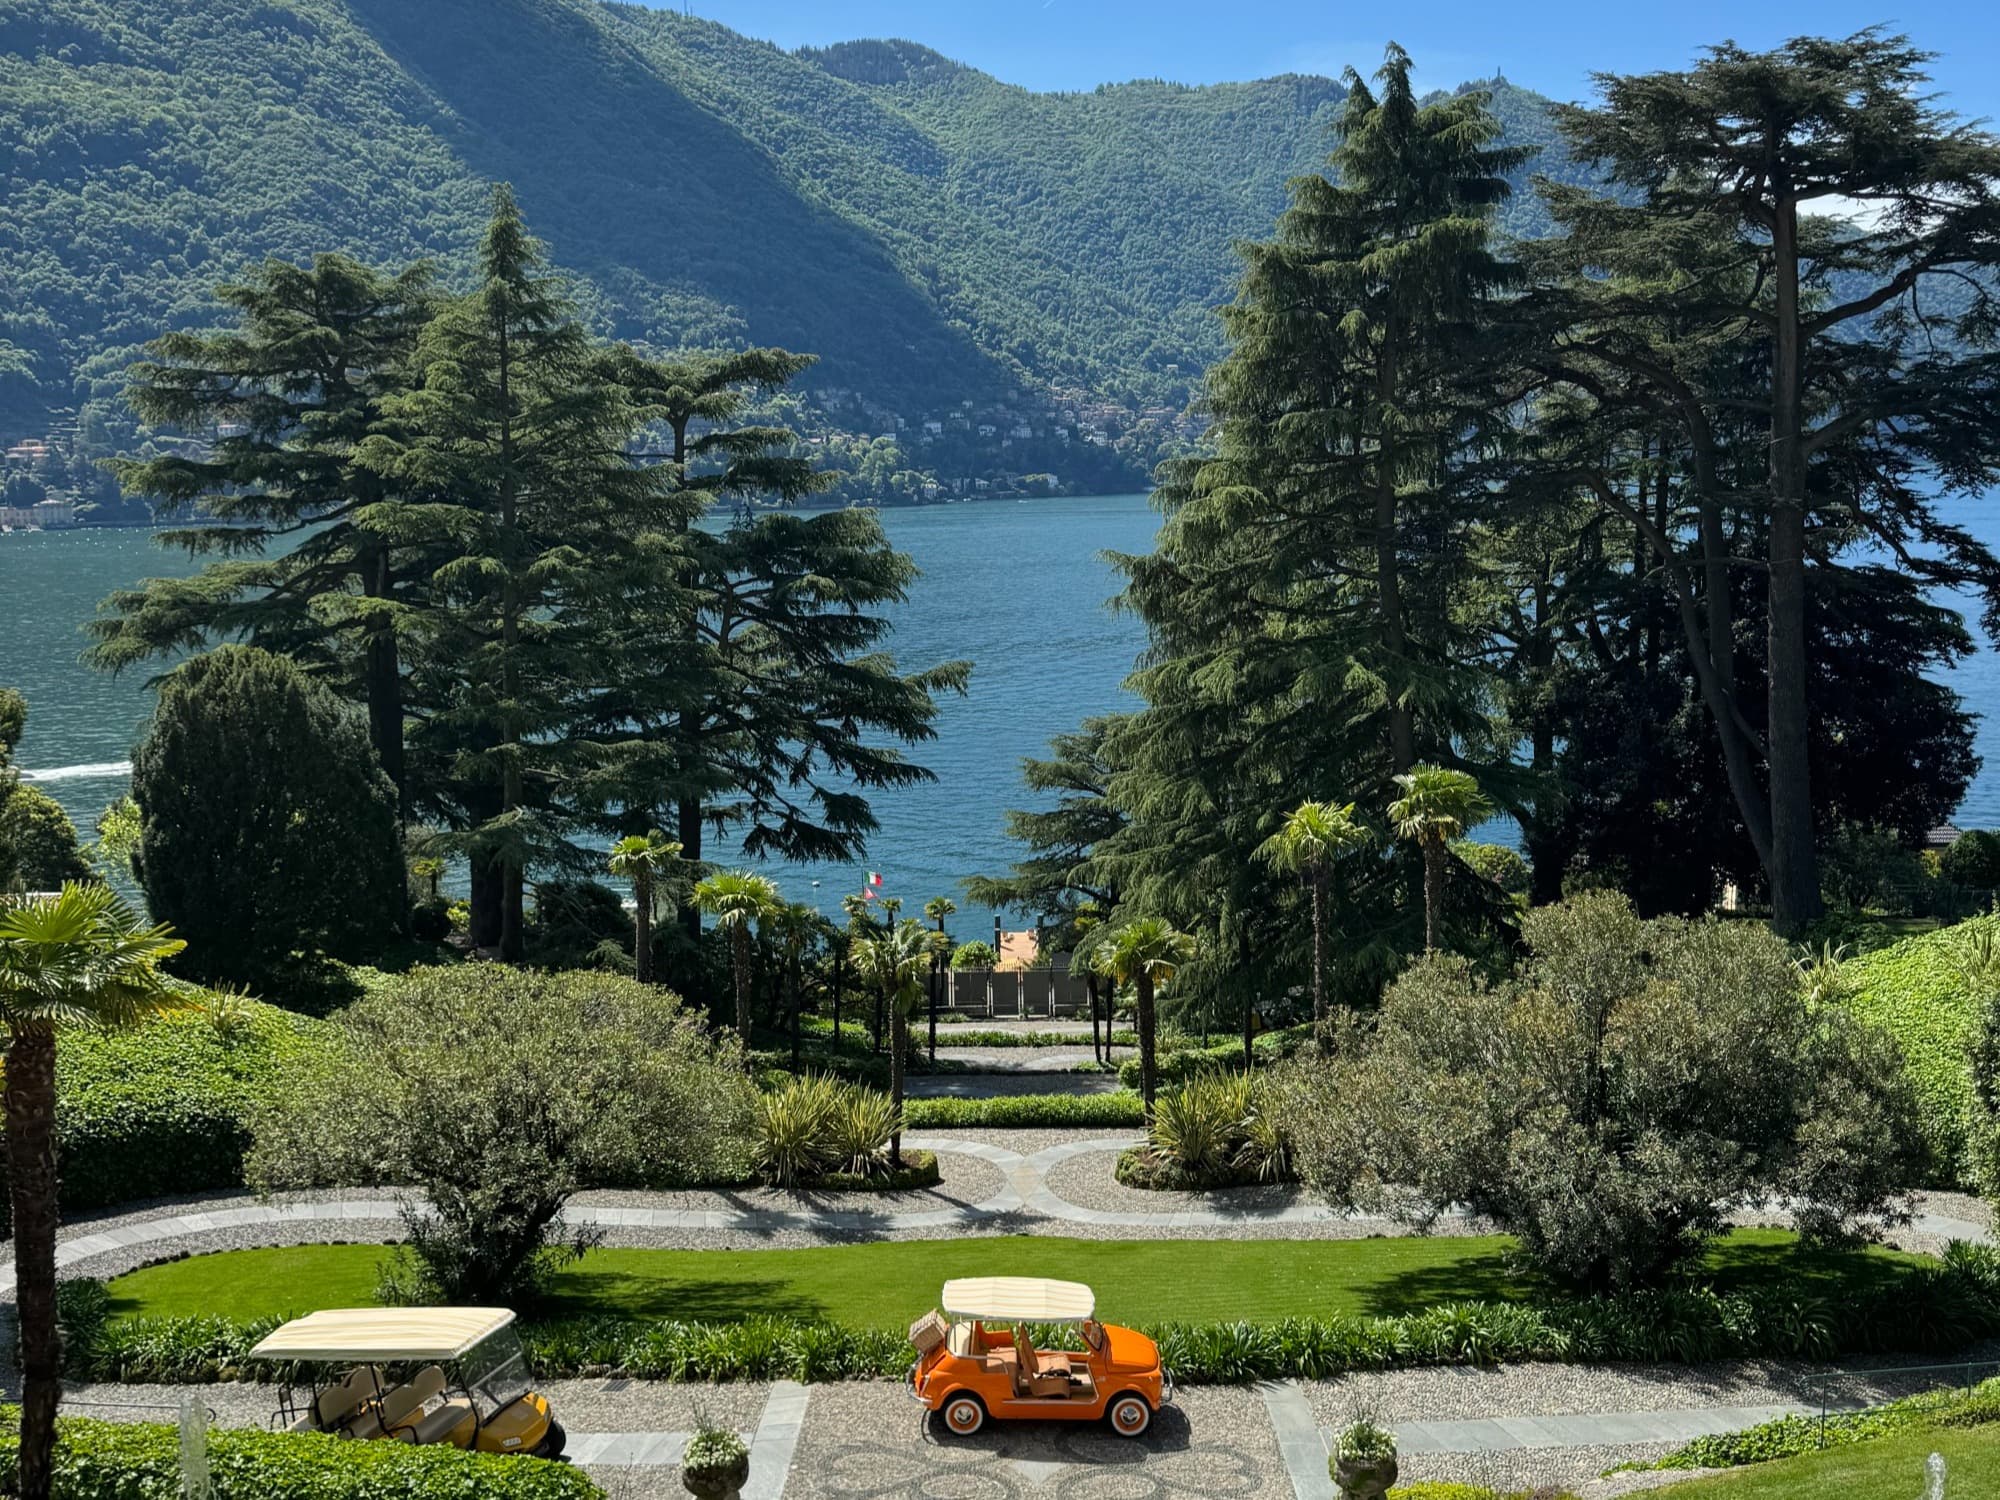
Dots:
pixel 1794 868
pixel 739 953
pixel 687 828
pixel 1098 1053
pixel 881 1024
pixel 31 1168
pixel 1249 1031
pixel 383 687
pixel 486 902
pixel 1319 881
pixel 1388 568
pixel 898 1046
pixel 1148 1055
pixel 837 976
pixel 642 927
pixel 798 1010
pixel 1433 889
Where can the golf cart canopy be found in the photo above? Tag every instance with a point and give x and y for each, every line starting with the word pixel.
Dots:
pixel 1018 1299
pixel 384 1333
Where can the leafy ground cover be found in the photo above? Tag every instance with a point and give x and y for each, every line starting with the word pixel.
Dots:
pixel 1788 1437
pixel 1890 1469
pixel 1918 991
pixel 886 1284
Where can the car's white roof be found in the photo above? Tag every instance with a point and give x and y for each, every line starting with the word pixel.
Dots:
pixel 367 1333
pixel 1028 1299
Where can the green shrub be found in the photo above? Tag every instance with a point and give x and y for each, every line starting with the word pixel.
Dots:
pixel 1615 1098
pixel 160 1109
pixel 1026 1112
pixel 142 1461
pixel 500 1092
pixel 1495 862
pixel 1973 859
pixel 1866 869
pixel 1921 993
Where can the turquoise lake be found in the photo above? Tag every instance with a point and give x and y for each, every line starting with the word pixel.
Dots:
pixel 1020 588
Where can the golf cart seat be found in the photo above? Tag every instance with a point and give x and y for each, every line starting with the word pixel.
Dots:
pixel 341 1405
pixel 403 1411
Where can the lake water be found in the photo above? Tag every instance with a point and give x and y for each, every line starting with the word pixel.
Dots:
pixel 1019 588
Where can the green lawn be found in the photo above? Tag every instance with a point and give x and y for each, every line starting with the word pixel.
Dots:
pixel 887 1284
pixel 1892 1469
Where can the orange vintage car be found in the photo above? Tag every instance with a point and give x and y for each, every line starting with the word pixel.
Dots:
pixel 977 1359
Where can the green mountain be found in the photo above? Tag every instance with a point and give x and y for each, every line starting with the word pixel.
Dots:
pixel 937 236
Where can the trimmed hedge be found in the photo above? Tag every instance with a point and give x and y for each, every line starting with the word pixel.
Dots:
pixel 1025 1112
pixel 142 1461
pixel 159 1110
pixel 1937 1309
pixel 1918 992
pixel 1181 1064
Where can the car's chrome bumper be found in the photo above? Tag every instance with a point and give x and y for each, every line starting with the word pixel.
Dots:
pixel 910 1385
pixel 1166 1386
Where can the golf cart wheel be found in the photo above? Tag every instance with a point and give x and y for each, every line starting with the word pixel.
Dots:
pixel 551 1445
pixel 964 1414
pixel 1130 1415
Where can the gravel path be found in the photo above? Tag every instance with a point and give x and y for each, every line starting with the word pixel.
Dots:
pixel 994 1085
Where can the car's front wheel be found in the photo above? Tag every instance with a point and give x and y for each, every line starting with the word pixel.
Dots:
pixel 964 1414
pixel 551 1445
pixel 1129 1415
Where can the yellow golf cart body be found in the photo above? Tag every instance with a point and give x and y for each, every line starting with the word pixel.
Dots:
pixel 453 1375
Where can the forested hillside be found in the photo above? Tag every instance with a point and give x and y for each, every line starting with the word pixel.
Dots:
pixel 934 234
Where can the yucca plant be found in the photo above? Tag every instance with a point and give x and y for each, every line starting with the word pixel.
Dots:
pixel 1199 1126
pixel 860 1129
pixel 797 1129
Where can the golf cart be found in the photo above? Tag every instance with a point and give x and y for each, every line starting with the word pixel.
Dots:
pixel 978 1358
pixel 414 1375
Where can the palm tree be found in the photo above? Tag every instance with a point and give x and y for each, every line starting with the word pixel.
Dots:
pixel 894 960
pixel 937 909
pixel 1437 806
pixel 793 926
pixel 1145 953
pixel 1085 920
pixel 79 958
pixel 738 901
pixel 1311 840
pixel 642 859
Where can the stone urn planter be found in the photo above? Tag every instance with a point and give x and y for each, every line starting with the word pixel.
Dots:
pixel 1364 1478
pixel 717 1482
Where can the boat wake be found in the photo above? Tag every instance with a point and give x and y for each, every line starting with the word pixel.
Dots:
pixel 99 770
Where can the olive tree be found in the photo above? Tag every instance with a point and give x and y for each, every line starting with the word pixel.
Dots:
pixel 1617 1098
pixel 492 1095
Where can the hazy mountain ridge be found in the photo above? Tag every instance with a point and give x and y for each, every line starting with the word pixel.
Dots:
pixel 933 233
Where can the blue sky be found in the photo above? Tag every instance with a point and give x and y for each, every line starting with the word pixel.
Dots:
pixel 1552 47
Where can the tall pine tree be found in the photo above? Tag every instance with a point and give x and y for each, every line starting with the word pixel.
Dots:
pixel 1810 217
pixel 512 423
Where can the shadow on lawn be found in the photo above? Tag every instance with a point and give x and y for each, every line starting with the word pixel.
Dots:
pixel 1744 1261
pixel 582 1292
